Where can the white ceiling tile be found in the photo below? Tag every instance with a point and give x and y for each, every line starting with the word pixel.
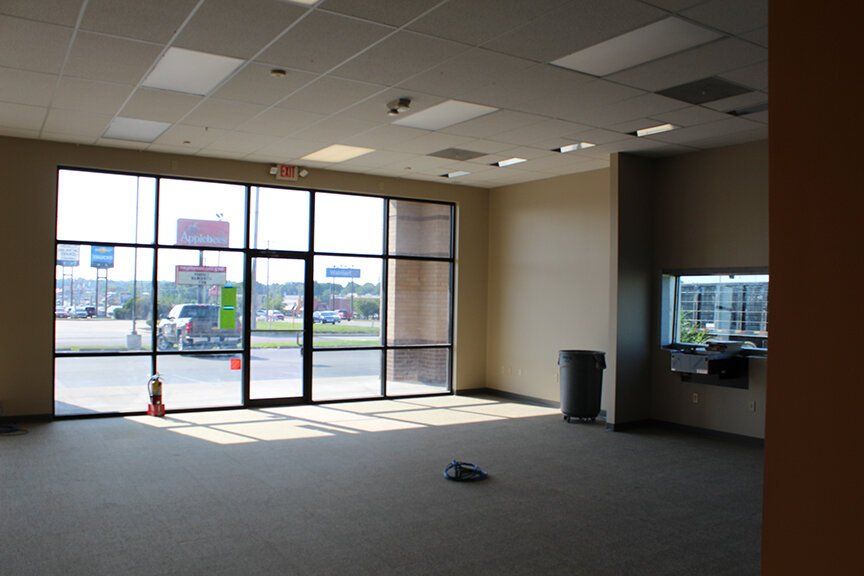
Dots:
pixel 740 101
pixel 574 26
pixel 457 78
pixel 113 143
pixel 90 96
pixel 399 57
pixel 84 124
pixel 64 12
pixel 256 85
pixel 689 116
pixel 242 142
pixel 196 136
pixel 758 36
pixel 392 12
pixel 169 149
pixel 572 105
pixel 485 146
pixel 630 109
pixel 758 117
pixel 386 137
pixel 541 131
pixel 329 95
pixel 673 5
pixel 280 122
pixel 738 137
pixel 694 64
pixel 529 85
pixel 18 133
pixel 379 158
pixel 598 136
pixel 237 29
pixel 525 152
pixel 159 105
pixel 478 21
pixel 152 20
pixel 67 137
pixel 494 123
pixel 694 134
pixel 374 109
pixel 290 148
pixel 226 114
pixel 755 76
pixel 335 128
pixel 21 116
pixel 557 163
pixel 32 45
pixel 414 162
pixel 23 87
pixel 432 142
pixel 110 59
pixel 733 16
pixel 321 41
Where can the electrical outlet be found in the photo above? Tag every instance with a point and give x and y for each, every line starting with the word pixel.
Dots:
pixel 518 371
pixel 695 398
pixel 752 406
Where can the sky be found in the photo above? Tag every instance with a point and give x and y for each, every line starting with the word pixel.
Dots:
pixel 100 207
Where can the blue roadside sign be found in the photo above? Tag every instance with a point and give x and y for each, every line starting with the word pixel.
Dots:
pixel 102 256
pixel 343 272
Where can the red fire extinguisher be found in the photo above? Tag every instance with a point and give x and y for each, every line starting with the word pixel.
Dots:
pixel 154 388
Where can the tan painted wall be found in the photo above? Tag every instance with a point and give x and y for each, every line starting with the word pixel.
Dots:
pixel 28 191
pixel 711 211
pixel 548 278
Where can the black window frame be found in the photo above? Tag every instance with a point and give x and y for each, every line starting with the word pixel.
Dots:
pixel 248 253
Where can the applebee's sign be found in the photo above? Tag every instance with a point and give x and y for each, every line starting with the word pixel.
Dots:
pixel 204 233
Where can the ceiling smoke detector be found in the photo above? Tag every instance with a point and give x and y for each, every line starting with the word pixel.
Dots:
pixel 398 106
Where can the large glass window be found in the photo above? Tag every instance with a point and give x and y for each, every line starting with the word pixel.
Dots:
pixel 721 306
pixel 152 274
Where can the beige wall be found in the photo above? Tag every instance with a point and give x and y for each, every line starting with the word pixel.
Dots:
pixel 549 278
pixel 711 211
pixel 28 188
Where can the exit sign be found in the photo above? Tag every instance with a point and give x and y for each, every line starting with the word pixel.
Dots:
pixel 286 172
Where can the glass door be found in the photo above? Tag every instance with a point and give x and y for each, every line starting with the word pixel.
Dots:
pixel 276 366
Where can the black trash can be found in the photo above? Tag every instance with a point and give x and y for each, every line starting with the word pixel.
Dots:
pixel 581 376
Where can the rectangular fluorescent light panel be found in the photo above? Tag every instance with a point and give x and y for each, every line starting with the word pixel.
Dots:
pixel 638 46
pixel 509 162
pixel 135 129
pixel 190 71
pixel 456 174
pixel 337 153
pixel 303 2
pixel 573 147
pixel 655 130
pixel 445 114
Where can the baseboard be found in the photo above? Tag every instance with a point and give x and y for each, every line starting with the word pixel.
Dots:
pixel 706 432
pixel 508 395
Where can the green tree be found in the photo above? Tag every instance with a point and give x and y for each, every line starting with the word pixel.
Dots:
pixel 689 332
pixel 366 307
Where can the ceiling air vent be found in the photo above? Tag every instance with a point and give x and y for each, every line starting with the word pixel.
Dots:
pixel 749 109
pixel 457 154
pixel 705 90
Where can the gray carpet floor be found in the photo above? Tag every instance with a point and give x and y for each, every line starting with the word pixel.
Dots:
pixel 116 496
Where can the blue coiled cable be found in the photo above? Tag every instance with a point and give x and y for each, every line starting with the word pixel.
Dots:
pixel 464 472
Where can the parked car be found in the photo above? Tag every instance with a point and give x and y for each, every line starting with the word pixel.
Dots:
pixel 91 311
pixel 195 326
pixel 326 317
pixel 60 312
pixel 344 314
pixel 77 312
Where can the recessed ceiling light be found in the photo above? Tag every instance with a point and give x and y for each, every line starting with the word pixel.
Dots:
pixel 445 114
pixel 135 129
pixel 654 130
pixel 337 153
pixel 573 147
pixel 456 174
pixel 508 162
pixel 190 71
pixel 638 46
pixel 278 72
